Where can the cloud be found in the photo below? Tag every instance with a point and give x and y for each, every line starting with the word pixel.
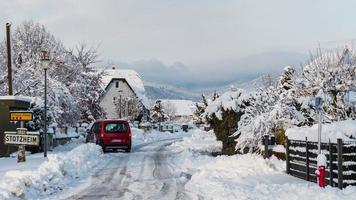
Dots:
pixel 214 41
pixel 218 73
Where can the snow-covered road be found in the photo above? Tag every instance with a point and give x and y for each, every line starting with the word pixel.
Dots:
pixel 161 166
pixel 146 173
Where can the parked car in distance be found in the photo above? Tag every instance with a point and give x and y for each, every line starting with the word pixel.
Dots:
pixel 111 134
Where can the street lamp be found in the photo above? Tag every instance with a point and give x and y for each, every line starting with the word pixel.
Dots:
pixel 45 59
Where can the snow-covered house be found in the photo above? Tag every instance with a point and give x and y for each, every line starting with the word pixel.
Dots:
pixel 179 110
pixel 121 87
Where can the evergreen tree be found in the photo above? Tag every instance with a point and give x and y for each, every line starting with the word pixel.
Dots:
pixel 157 113
pixel 200 107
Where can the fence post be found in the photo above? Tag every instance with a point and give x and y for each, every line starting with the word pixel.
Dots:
pixel 331 181
pixel 339 164
pixel 265 141
pixel 307 158
pixel 287 157
pixel 66 130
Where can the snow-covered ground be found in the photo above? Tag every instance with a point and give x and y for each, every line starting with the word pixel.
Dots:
pixel 243 177
pixel 161 166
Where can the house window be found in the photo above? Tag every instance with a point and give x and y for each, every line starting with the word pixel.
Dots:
pixel 117 84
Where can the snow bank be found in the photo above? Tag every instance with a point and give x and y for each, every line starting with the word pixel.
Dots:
pixel 53 175
pixel 247 177
pixel 346 130
pixel 141 137
pixel 199 141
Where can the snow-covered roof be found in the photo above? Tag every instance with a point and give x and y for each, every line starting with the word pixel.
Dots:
pixel 182 107
pixel 18 98
pixel 132 78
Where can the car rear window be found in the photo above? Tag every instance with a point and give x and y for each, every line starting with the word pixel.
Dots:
pixel 116 127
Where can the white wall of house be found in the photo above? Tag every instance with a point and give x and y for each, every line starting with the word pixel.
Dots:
pixel 112 91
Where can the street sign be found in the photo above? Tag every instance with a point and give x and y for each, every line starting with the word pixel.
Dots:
pixel 21 116
pixel 16 139
pixel 21 131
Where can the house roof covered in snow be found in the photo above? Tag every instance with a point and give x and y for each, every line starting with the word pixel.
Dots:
pixel 182 107
pixel 133 79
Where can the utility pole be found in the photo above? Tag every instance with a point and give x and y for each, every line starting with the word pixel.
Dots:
pixel 9 68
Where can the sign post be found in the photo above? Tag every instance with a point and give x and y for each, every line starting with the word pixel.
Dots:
pixel 21 156
pixel 321 159
pixel 20 137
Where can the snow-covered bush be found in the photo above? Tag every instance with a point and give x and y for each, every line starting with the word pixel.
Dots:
pixel 273 109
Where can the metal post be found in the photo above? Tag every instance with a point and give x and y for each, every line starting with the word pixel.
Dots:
pixel 287 157
pixel 21 156
pixel 331 167
pixel 9 68
pixel 45 116
pixel 307 159
pixel 319 133
pixel 265 141
pixel 339 164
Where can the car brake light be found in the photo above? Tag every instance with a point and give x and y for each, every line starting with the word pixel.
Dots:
pixel 102 134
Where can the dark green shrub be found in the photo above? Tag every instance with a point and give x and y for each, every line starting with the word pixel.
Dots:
pixel 224 129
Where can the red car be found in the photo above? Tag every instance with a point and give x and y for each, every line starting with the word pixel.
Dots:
pixel 111 134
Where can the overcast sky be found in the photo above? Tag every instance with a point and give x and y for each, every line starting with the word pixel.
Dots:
pixel 199 41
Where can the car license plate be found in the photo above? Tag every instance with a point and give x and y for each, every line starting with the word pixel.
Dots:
pixel 116 140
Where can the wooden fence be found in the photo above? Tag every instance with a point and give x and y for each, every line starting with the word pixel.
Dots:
pixel 301 161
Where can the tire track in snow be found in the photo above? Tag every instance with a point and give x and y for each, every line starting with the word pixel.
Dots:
pixel 146 173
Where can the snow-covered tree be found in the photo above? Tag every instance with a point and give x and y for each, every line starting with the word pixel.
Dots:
pixel 157 113
pixel 330 75
pixel 200 107
pixel 73 91
pixel 286 80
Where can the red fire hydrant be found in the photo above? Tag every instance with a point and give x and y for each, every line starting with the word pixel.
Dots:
pixel 320 172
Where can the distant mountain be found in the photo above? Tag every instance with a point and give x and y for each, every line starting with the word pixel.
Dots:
pixel 157 91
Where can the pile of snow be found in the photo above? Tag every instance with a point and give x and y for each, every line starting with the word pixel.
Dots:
pixel 132 77
pixel 53 175
pixel 140 137
pixel 345 130
pixel 242 177
pixel 249 176
pixel 198 141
